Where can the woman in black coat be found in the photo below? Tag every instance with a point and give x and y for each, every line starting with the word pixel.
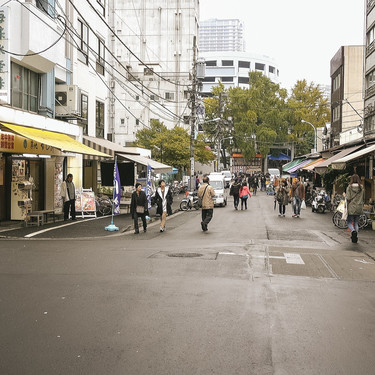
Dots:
pixel 139 207
pixel 164 200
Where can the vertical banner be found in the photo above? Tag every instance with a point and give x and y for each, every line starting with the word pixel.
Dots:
pixel 4 57
pixel 148 193
pixel 116 190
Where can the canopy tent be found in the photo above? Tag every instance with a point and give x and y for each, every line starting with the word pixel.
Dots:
pixel 155 165
pixel 341 163
pixel 299 166
pixel 60 141
pixel 291 164
pixel 281 157
pixel 323 167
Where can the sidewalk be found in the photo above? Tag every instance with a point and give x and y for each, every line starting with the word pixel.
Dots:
pixel 81 228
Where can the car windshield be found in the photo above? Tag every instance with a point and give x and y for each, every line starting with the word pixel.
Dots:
pixel 217 184
pixel 227 174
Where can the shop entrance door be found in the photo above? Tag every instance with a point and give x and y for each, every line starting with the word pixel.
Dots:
pixel 37 173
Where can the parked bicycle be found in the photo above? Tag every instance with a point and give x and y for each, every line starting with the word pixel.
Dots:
pixel 364 219
pixel 103 205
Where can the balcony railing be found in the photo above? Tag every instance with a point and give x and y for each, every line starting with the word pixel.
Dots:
pixel 370 5
pixel 370 91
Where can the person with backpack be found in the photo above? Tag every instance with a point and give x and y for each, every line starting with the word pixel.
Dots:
pixel 206 193
pixel 355 197
pixel 244 195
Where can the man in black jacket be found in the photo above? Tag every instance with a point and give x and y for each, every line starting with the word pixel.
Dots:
pixel 139 207
pixel 235 192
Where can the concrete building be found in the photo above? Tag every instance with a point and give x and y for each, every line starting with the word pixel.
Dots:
pixel 52 93
pixel 218 35
pixel 232 69
pixel 154 54
pixel 347 94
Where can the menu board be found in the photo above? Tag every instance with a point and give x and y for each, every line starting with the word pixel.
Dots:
pixel 85 202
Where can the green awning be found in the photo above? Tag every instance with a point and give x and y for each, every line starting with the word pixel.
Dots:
pixel 291 164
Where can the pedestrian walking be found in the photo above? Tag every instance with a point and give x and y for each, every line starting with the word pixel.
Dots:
pixel 197 182
pixel 139 207
pixel 235 192
pixel 68 195
pixel 164 200
pixel 206 193
pixel 298 195
pixel 355 197
pixel 282 197
pixel 244 195
pixel 255 184
pixel 263 183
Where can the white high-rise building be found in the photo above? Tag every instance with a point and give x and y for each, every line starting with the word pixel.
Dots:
pixel 152 65
pixel 221 35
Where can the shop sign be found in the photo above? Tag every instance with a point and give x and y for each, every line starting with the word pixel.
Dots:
pixel 16 144
pixel 4 57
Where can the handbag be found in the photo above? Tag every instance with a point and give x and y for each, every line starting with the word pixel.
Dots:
pixel 245 196
pixel 303 205
pixel 140 209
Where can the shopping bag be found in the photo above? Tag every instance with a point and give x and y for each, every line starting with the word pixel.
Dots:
pixel 344 215
pixel 303 205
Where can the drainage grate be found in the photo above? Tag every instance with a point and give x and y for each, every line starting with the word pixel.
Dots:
pixel 184 255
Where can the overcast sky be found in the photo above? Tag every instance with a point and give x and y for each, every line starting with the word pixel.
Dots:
pixel 302 35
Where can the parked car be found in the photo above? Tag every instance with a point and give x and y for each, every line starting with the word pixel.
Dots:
pixel 218 183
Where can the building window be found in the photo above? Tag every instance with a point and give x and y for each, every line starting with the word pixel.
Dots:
pixel 148 71
pixel 122 121
pixel 99 119
pixel 47 6
pixel 209 79
pixel 83 42
pixel 271 69
pixel 100 57
pixel 370 124
pixel 186 120
pixel 210 63
pixel 244 64
pixel 259 66
pixel 169 95
pixel 243 79
pixel 226 79
pixel 336 113
pixel 336 82
pixel 84 112
pixel 102 6
pixel 226 63
pixel 137 122
pixel 24 88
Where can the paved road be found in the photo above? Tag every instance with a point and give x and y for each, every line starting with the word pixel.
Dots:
pixel 256 294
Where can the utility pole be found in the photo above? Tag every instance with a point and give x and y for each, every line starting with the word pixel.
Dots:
pixel 193 114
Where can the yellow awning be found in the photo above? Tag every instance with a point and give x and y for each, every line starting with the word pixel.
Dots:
pixel 57 140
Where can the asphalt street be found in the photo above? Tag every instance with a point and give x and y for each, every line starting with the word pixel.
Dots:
pixel 256 294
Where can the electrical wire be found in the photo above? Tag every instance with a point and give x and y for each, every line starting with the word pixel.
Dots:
pixel 130 51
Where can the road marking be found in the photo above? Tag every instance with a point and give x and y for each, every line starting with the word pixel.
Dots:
pixel 293 258
pixel 363 261
pixel 329 268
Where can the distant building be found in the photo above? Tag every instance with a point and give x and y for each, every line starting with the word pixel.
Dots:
pixel 346 94
pixel 221 35
pixel 232 69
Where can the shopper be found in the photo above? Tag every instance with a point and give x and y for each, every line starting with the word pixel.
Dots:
pixel 139 207
pixel 68 195
pixel 282 197
pixel 355 197
pixel 235 192
pixel 206 193
pixel 164 200
pixel 298 195
pixel 244 195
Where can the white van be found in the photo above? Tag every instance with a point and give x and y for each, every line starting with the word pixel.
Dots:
pixel 227 178
pixel 218 183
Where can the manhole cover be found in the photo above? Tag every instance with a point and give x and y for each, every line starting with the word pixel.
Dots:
pixel 185 255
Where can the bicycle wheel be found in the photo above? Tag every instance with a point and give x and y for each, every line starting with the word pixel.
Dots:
pixel 184 205
pixel 362 222
pixel 105 207
pixel 340 223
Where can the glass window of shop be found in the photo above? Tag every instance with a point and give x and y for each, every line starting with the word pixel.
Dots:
pixel 99 119
pixel 24 88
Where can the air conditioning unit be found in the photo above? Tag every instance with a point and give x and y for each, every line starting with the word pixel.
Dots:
pixel 67 101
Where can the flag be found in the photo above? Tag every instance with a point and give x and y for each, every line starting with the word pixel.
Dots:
pixel 148 193
pixel 116 190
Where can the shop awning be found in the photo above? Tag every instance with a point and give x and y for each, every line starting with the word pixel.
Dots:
pixel 281 157
pixel 341 163
pixel 291 164
pixel 299 165
pixel 155 165
pixel 323 167
pixel 311 166
pixel 58 140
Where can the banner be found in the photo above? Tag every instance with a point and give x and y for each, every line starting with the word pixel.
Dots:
pixel 148 193
pixel 116 190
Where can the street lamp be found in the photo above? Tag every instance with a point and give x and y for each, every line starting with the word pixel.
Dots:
pixel 315 135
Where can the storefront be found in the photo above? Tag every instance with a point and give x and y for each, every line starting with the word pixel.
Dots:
pixel 32 165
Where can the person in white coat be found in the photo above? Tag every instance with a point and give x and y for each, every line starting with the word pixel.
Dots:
pixel 68 195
